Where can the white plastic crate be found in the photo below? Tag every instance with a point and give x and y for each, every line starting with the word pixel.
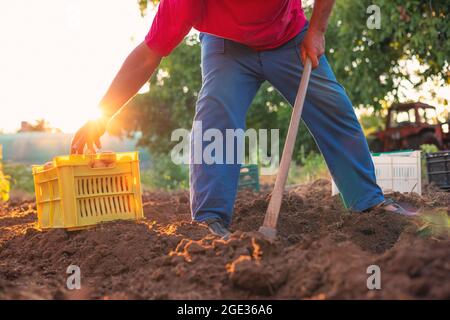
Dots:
pixel 396 171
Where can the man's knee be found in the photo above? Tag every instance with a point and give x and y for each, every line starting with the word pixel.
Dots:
pixel 216 109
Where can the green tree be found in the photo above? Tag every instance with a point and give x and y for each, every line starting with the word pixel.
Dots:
pixel 368 62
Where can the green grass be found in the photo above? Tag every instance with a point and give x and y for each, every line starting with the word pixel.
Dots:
pixel 165 175
pixel 313 168
pixel 434 224
pixel 20 177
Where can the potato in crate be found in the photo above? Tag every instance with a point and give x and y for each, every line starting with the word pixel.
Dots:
pixel 78 191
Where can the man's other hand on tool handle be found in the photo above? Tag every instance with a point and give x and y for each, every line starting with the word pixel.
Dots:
pixel 313 46
pixel 134 73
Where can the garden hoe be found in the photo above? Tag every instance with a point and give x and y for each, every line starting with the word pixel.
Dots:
pixel 268 228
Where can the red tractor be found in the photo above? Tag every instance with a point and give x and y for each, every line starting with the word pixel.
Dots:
pixel 410 125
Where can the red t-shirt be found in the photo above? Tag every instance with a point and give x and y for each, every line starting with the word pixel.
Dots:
pixel 259 24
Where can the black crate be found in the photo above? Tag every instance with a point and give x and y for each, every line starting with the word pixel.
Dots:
pixel 438 169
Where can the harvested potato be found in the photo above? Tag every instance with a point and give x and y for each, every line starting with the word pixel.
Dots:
pixel 48 165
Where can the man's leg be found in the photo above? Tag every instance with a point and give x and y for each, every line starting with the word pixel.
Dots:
pixel 329 115
pixel 231 79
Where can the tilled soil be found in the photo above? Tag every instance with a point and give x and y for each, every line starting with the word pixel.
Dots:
pixel 322 252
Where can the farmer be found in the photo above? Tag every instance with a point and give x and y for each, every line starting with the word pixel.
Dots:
pixel 245 43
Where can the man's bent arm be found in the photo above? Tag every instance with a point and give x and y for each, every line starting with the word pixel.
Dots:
pixel 321 12
pixel 134 73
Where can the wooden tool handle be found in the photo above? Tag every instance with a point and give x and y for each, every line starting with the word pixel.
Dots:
pixel 273 210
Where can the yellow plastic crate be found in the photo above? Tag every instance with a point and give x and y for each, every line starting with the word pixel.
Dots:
pixel 78 191
pixel 4 183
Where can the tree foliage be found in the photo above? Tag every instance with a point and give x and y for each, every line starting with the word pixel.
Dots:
pixel 40 125
pixel 368 61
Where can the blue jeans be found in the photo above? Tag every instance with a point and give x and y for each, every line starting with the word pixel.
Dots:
pixel 232 74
